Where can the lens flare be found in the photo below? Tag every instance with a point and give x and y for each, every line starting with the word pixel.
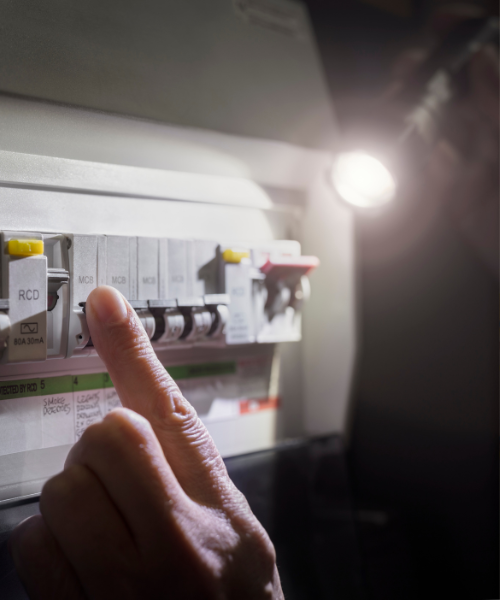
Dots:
pixel 362 180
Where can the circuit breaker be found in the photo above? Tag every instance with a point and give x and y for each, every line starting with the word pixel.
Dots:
pixel 185 292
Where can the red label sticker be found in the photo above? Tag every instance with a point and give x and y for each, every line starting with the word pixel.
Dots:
pixel 256 405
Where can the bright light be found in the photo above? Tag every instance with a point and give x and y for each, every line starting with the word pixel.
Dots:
pixel 362 180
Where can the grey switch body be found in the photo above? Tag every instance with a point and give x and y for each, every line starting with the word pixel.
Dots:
pixel 133 284
pixel 205 268
pixel 83 266
pixel 148 269
pixel 178 261
pixel 87 261
pixel 118 263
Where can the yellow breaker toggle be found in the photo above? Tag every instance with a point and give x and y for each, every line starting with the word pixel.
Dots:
pixel 235 256
pixel 25 247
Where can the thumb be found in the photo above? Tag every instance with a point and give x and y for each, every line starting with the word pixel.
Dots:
pixel 144 385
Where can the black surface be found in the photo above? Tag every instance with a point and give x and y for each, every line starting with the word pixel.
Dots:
pixel 301 495
pixel 425 437
pixel 424 444
pixel 10 515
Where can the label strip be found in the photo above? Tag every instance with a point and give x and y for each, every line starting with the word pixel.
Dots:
pixel 25 388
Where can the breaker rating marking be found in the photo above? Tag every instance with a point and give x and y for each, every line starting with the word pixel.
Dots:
pixel 28 341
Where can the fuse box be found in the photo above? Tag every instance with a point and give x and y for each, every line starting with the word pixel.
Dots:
pixel 204 204
pixel 244 295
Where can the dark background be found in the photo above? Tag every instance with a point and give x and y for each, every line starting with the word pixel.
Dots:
pixel 423 449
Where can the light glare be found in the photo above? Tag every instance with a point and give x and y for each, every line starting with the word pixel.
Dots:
pixel 362 180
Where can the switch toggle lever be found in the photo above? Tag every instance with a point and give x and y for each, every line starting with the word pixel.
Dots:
pixel 55 279
pixel 197 316
pixel 145 316
pixel 169 322
pixel 286 282
pixel 4 323
pixel 217 305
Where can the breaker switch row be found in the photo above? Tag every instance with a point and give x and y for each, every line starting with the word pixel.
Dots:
pixel 185 292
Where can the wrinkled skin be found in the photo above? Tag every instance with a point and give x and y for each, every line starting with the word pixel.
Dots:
pixel 144 507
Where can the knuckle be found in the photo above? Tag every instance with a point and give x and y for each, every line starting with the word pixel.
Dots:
pixel 243 549
pixel 173 410
pixel 251 530
pixel 185 428
pixel 64 488
pixel 193 429
pixel 261 549
pixel 263 544
pixel 266 547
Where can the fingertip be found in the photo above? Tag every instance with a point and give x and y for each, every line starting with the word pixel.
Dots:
pixel 127 418
pixel 121 429
pixel 106 305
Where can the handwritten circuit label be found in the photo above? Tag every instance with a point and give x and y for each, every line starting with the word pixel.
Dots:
pixel 54 405
pixel 46 412
pixel 88 394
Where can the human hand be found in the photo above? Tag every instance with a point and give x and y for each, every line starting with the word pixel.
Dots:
pixel 462 173
pixel 464 166
pixel 144 507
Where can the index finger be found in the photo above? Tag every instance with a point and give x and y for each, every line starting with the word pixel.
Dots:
pixel 144 385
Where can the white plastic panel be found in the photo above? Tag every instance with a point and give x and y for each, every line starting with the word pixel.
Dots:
pixel 329 325
pixel 241 328
pixel 235 393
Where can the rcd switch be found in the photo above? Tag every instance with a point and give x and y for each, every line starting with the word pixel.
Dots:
pixel 236 280
pixel 24 284
pixel 287 287
pixel 267 285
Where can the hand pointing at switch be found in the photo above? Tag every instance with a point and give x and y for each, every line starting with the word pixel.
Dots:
pixel 144 507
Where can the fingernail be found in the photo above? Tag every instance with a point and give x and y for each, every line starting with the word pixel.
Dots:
pixel 107 304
